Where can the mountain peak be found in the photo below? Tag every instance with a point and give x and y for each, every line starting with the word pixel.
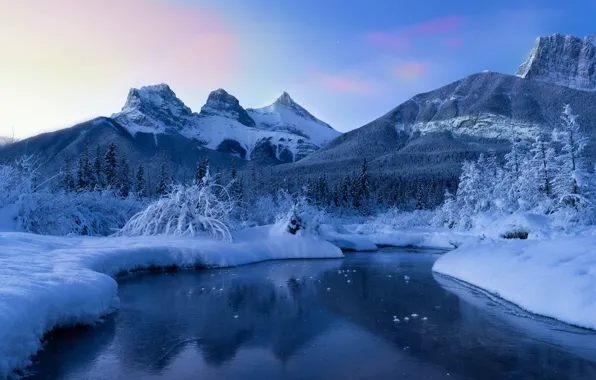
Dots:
pixel 563 60
pixel 159 95
pixel 222 103
pixel 285 100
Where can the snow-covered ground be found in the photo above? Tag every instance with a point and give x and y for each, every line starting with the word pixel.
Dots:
pixel 554 278
pixel 47 282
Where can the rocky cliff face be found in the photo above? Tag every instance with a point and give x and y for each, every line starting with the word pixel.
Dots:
pixel 562 60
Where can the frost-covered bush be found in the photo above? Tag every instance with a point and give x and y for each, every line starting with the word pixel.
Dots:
pixel 86 213
pixel 266 209
pixel 396 219
pixel 31 205
pixel 200 209
pixel 302 218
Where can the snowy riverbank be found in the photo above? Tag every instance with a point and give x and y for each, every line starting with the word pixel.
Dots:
pixel 553 278
pixel 47 282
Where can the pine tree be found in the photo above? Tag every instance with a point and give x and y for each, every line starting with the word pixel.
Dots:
pixel 202 170
pixel 125 179
pixel 572 176
pixel 217 179
pixel 345 193
pixel 97 170
pixel 140 183
pixel 81 180
pixel 162 185
pixel 67 180
pixel 110 167
pixel 87 169
pixel 364 182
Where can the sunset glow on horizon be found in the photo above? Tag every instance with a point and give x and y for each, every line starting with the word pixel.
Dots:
pixel 67 61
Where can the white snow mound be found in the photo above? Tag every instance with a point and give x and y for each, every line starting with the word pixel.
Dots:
pixel 48 282
pixel 553 278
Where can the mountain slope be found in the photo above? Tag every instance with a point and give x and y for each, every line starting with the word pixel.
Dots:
pixel 286 115
pixel 426 138
pixel 148 149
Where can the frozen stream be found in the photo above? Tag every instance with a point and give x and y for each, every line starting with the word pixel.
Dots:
pixel 317 319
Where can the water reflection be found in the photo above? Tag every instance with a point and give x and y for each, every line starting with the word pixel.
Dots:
pixel 316 319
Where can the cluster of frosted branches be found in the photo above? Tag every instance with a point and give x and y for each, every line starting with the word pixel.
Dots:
pixel 200 209
pixel 302 218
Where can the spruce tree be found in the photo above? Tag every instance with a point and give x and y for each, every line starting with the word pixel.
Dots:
pixel 67 180
pixel 98 170
pixel 572 177
pixel 81 180
pixel 110 166
pixel 140 183
pixel 124 180
pixel 202 170
pixel 87 170
pixel 162 184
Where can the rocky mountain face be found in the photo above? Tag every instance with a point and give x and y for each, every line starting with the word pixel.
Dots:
pixel 422 142
pixel 562 60
pixel 154 109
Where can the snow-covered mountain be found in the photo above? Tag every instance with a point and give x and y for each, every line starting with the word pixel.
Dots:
pixel 563 60
pixel 288 116
pixel 281 132
pixel 154 109
pixel 5 140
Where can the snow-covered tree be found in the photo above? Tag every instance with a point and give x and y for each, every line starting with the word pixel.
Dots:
pixel 186 211
pixel 68 184
pixel 572 178
pixel 202 170
pixel 140 181
pixel 124 180
pixel 111 166
pixel 162 184
pixel 98 170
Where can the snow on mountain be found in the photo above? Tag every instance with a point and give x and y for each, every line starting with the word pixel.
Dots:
pixel 286 115
pixel 5 140
pixel 154 109
pixel 563 60
pixel 283 131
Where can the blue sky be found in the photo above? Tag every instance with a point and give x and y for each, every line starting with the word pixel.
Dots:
pixel 348 62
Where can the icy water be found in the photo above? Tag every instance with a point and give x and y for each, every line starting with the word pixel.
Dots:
pixel 317 319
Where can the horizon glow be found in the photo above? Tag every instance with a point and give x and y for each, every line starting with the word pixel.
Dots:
pixel 68 61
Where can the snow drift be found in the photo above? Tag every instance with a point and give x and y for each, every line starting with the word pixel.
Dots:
pixel 552 278
pixel 48 282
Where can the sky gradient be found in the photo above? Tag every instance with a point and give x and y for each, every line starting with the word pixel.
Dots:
pixel 348 62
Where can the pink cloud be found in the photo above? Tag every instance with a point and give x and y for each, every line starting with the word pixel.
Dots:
pixel 344 84
pixel 388 41
pixel 402 39
pixel 453 42
pixel 439 25
pixel 411 70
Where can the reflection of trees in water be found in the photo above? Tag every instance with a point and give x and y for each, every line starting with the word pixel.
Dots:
pixel 164 315
pixel 281 318
pixel 67 350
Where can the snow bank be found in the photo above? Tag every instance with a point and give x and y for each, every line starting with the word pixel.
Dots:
pixel 47 282
pixel 345 240
pixel 553 278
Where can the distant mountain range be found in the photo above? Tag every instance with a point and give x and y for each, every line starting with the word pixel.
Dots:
pixel 424 139
pixel 154 124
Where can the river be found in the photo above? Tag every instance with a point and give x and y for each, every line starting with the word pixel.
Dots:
pixel 316 319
